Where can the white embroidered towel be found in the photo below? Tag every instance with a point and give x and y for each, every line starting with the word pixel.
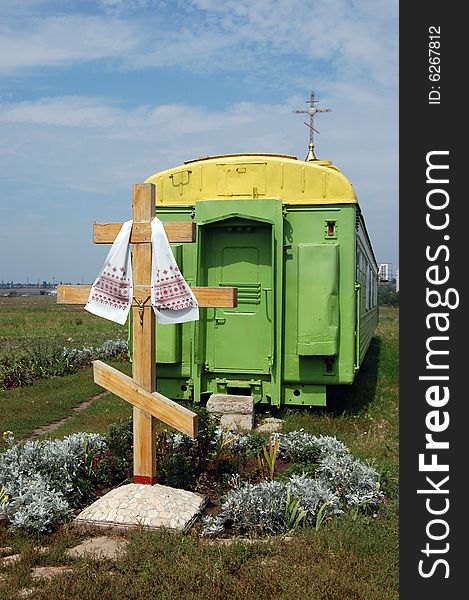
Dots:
pixel 171 297
pixel 111 293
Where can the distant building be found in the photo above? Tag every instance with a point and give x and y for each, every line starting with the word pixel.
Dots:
pixel 384 273
pixel 397 281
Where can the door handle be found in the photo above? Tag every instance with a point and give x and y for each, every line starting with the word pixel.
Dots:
pixel 268 303
pixel 220 320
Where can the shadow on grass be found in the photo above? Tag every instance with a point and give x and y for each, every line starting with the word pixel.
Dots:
pixel 355 398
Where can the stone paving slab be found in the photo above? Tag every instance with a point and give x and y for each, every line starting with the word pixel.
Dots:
pixel 9 560
pixel 49 572
pixel 99 547
pixel 230 403
pixel 138 505
pixel 235 412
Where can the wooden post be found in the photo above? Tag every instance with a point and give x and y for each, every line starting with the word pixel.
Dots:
pixel 143 340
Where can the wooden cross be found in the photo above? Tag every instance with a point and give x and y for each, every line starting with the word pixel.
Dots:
pixel 140 389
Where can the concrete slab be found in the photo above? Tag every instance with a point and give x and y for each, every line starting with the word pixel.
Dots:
pixel 230 403
pixel 150 506
pixel 9 560
pixel 235 412
pixel 99 547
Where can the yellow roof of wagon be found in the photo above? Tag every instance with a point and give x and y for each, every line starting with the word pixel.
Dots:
pixel 242 176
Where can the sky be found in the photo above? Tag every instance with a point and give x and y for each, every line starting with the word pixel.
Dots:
pixel 96 95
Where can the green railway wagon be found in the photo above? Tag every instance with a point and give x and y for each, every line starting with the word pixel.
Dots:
pixel 289 235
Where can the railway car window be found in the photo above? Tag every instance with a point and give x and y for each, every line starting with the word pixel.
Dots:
pixel 370 272
pixel 367 288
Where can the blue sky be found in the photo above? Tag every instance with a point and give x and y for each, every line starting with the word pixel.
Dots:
pixel 98 95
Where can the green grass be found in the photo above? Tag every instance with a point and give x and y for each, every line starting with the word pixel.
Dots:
pixel 349 558
pixel 334 564
pixel 25 320
pixel 364 416
pixel 24 409
pixel 96 418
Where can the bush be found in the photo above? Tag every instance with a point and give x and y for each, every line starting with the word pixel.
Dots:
pixel 40 361
pixel 263 508
pixel 332 481
pixel 356 484
pixel 38 509
pixel 299 446
pixel 43 480
pixel 180 459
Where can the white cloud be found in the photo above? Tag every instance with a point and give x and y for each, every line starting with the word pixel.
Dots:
pixel 62 40
pixel 125 6
pixel 266 38
pixel 71 111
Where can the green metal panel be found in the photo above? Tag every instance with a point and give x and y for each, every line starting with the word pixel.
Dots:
pixel 238 254
pixel 305 230
pixel 318 299
pixel 305 395
pixel 241 244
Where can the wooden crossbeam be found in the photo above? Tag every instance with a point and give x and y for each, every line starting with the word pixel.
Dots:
pixel 155 404
pixel 106 233
pixel 207 297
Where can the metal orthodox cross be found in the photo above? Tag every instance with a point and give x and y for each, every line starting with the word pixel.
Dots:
pixel 139 389
pixel 312 111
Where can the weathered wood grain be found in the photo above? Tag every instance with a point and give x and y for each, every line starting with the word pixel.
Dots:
pixel 222 297
pixel 152 403
pixel 106 233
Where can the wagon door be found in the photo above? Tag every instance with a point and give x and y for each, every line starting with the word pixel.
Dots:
pixel 239 254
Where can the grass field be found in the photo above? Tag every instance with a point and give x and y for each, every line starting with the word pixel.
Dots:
pixel 354 557
pixel 24 409
pixel 25 320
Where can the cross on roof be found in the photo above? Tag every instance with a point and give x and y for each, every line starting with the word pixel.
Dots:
pixel 140 389
pixel 312 111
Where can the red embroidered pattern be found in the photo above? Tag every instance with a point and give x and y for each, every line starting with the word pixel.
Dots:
pixel 112 289
pixel 171 291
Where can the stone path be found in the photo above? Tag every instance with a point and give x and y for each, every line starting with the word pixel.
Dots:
pixel 9 560
pixel 152 506
pixel 96 547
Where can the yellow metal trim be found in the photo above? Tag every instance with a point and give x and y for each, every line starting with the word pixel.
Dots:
pixel 244 176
